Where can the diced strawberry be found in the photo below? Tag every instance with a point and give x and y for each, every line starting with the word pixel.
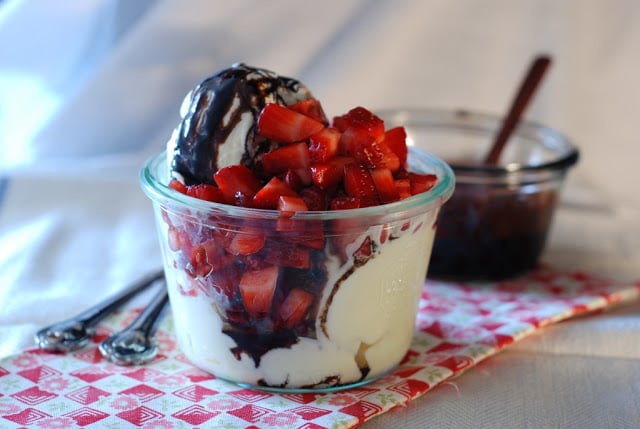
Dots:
pixel 396 140
pixel 345 203
pixel 246 242
pixel 358 183
pixel 215 250
pixel 199 266
pixel 324 145
pixel 207 192
pixel 422 182
pixel 364 252
pixel 329 174
pixel 386 187
pixel 294 307
pixel 287 254
pixel 257 288
pixel 238 184
pixel 267 197
pixel 293 156
pixel 280 123
pixel 288 206
pixel 291 204
pixel 403 187
pixel 366 149
pixel 315 198
pixel 312 108
pixel 177 185
pixel 363 119
pixel 312 237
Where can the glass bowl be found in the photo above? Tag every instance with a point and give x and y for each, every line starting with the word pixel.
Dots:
pixel 318 301
pixel 496 224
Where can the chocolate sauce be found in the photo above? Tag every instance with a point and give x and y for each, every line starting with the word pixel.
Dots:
pixel 488 234
pixel 216 108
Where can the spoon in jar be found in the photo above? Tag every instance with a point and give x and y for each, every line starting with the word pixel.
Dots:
pixel 75 333
pixel 524 95
pixel 135 345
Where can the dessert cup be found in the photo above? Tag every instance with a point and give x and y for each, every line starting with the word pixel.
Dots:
pixel 315 301
pixel 496 224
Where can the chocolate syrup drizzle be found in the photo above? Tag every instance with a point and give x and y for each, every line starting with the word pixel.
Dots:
pixel 216 107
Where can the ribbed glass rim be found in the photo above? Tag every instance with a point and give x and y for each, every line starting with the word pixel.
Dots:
pixel 477 120
pixel 155 188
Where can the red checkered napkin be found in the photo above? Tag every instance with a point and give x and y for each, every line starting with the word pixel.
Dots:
pixel 458 325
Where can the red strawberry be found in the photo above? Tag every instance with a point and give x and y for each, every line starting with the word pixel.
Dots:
pixel 324 145
pixel 294 307
pixel 246 242
pixel 358 183
pixel 329 174
pixel 267 197
pixel 290 204
pixel 206 192
pixel 280 123
pixel 293 156
pixel 422 182
pixel 345 203
pixel 238 184
pixel 287 254
pixel 177 185
pixel 396 140
pixel 311 107
pixel 360 118
pixel 385 186
pixel 257 288
pixel 404 188
pixel 315 198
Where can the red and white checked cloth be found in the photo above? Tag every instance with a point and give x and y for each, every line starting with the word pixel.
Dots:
pixel 458 325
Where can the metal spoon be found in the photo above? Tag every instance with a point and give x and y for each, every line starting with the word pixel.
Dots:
pixel 75 333
pixel 135 345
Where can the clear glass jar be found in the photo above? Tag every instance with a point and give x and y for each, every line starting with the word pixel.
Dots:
pixel 317 301
pixel 495 226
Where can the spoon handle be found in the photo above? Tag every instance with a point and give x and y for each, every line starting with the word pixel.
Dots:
pixel 75 333
pixel 134 345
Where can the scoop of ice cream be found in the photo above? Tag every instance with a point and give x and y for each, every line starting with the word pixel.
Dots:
pixel 218 126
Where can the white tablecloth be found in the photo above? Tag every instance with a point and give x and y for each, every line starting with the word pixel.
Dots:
pixel 97 88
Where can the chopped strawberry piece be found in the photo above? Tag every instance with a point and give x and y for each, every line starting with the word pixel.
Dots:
pixel 267 197
pixel 246 242
pixel 385 185
pixel 345 203
pixel 294 307
pixel 362 119
pixel 207 192
pixel 257 288
pixel 329 174
pixel 199 266
pixel 324 145
pixel 177 185
pixel 315 198
pixel 311 107
pixel 238 184
pixel 422 182
pixel 287 254
pixel 293 156
pixel 291 204
pixel 280 123
pixel 358 183
pixel 369 151
pixel 288 206
pixel 396 140
pixel 404 188
pixel 364 252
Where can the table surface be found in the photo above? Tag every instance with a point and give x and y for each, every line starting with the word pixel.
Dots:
pixel 103 92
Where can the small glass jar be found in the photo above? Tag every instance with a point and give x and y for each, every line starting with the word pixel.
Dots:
pixel 317 301
pixel 495 226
